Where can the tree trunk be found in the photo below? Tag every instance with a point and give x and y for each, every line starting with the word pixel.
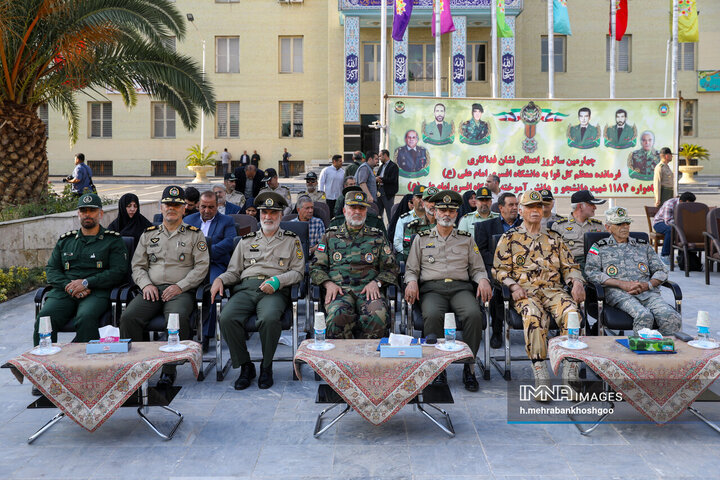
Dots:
pixel 23 154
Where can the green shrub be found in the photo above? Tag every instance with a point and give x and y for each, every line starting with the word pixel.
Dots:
pixel 17 280
pixel 49 203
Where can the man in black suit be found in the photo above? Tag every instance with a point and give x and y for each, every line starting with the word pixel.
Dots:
pixel 508 205
pixel 252 188
pixel 387 180
pixel 244 159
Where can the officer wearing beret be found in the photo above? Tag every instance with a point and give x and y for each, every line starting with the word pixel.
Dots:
pixel 170 261
pixel 483 200
pixel 573 228
pixel 417 212
pixel 311 185
pixel 263 267
pixel 631 272
pixel 441 265
pixel 83 268
pixel 423 223
pixel 352 262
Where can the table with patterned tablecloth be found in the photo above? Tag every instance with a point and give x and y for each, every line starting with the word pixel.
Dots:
pixel 660 386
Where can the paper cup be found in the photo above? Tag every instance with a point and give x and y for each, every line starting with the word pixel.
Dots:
pixel 450 321
pixel 173 321
pixel 45 325
pixel 573 321
pixel 703 319
pixel 319 321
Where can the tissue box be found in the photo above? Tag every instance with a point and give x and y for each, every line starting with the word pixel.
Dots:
pixel 95 346
pixel 412 351
pixel 647 345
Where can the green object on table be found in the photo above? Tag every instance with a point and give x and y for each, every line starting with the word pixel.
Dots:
pixel 650 345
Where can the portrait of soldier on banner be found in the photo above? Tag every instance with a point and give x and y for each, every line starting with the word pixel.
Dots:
pixel 438 131
pixel 412 160
pixel 475 131
pixel 642 162
pixel 621 135
pixel 584 135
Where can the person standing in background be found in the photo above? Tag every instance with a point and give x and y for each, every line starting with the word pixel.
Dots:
pixel 244 159
pixel 331 181
pixel 663 178
pixel 255 159
pixel 286 163
pixel 225 157
pixel 81 177
pixel 387 180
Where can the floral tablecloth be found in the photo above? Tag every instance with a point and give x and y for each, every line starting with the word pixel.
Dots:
pixel 377 388
pixel 660 386
pixel 89 388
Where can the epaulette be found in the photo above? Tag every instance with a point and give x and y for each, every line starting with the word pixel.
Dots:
pixel 406 214
pixel 641 240
pixel 150 229
pixel 112 232
pixel 249 235
pixel 562 220
pixel 289 233
pixel 601 243
pixel 68 234
pixel 374 230
pixel 463 233
pixel 334 228
pixel 514 230
pixel 592 220
pixel 414 222
pixel 424 233
pixel 193 229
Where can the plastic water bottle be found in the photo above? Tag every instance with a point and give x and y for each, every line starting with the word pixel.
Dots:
pixel 45 340
pixel 320 329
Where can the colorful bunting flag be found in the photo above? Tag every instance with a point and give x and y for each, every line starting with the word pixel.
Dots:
pixel 446 23
pixel 688 30
pixel 401 18
pixel 503 29
pixel 561 19
pixel 621 19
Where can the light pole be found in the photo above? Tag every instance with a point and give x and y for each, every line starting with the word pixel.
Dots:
pixel 191 19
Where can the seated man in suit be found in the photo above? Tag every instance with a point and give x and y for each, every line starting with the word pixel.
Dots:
pixel 219 229
pixel 224 207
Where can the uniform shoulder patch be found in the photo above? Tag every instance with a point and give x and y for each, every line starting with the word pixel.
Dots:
pixel 67 234
pixel 601 243
pixel 112 232
pixel 150 229
pixel 249 235
pixel 562 220
pixel 641 240
pixel 592 220
pixel 463 233
pixel 334 228
pixel 424 233
pixel 406 214
pixel 374 230
pixel 413 223
pixel 193 229
pixel 289 233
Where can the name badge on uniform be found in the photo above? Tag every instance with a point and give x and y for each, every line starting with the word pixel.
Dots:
pixel 254 247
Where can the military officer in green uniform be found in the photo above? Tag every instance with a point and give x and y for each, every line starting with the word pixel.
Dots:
pixel 438 131
pixel 83 267
pixel 475 131
pixel 263 267
pixel 621 135
pixel 573 228
pixel 584 135
pixel 311 184
pixel 352 262
pixel 441 265
pixel 418 225
pixel 483 199
pixel 372 219
pixel 169 263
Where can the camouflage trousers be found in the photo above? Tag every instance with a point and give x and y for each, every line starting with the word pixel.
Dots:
pixel 353 316
pixel 645 309
pixel 536 310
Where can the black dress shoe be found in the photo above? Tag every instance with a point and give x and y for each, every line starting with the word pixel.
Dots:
pixel 496 340
pixel 265 380
pixel 205 344
pixel 247 373
pixel 471 383
pixel 167 377
pixel 440 379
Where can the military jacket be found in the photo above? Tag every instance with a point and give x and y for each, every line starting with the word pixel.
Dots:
pixel 433 257
pixel 316 196
pixel 413 228
pixel 352 259
pixel 404 219
pixel 281 190
pixel 632 261
pixel 236 197
pixel 101 259
pixel 534 261
pixel 573 232
pixel 164 258
pixel 256 254
pixel 467 222
pixel 474 133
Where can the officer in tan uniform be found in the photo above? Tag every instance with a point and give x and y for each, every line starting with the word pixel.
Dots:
pixel 232 195
pixel 573 228
pixel 420 224
pixel 272 185
pixel 263 267
pixel 548 204
pixel 444 261
pixel 535 264
pixel 169 263
pixel 311 184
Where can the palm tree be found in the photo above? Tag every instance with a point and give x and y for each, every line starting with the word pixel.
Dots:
pixel 692 153
pixel 50 49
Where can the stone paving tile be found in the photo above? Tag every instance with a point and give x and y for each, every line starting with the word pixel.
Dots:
pixel 457 459
pixel 520 459
pixel 289 460
pixel 371 460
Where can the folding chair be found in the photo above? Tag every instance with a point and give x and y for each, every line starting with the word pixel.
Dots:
pixel 712 242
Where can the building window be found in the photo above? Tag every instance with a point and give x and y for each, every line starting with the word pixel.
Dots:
pixel 686 56
pixel 689 116
pixel 291 119
pixel 44 116
pixel 559 42
pixel 227 57
pixel 228 119
pixel 421 61
pixel 475 62
pixel 163 121
pixel 622 54
pixel 291 54
pixel 170 43
pixel 100 120
pixel 371 62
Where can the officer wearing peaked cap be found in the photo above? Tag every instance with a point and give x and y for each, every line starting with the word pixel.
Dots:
pixel 83 268
pixel 441 265
pixel 263 267
pixel 417 212
pixel 311 184
pixel 169 263
pixel 573 228
pixel 272 184
pixel 425 222
pixel 548 204
pixel 631 272
pixel 483 200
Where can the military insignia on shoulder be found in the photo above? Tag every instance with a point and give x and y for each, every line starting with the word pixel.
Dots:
pixel 337 256
pixel 193 229
pixel 334 228
pixel 321 247
pixel 476 249
pixel 154 240
pixel 112 232
pixel 643 267
pixel 374 230
pixel 298 250
pixel 594 250
pixel 67 234
pixel 406 214
pixel 464 233
pixel 182 228
pixel 150 229
pixel 592 220
pixel 202 246
pixel 413 223
pixel 424 233
pixel 562 220
pixel 387 250
pixel 250 235
pixel 641 240
pixel 602 243
pixel 611 270
pixel 520 260
pixel 289 233
pixel 322 197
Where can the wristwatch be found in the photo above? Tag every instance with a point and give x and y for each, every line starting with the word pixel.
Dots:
pixel 85 283
pixel 379 283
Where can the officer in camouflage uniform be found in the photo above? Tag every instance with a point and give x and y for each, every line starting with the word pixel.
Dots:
pixel 169 263
pixel 311 184
pixel 84 266
pixel 352 262
pixel 535 264
pixel 631 272
pixel 573 228
pixel 445 261
pixel 263 267
pixel 372 220
pixel 418 225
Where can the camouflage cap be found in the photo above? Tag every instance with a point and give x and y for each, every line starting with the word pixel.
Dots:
pixel 418 190
pixel 351 188
pixel 446 199
pixel 547 195
pixel 531 197
pixel 356 198
pixel 173 194
pixel 89 200
pixel 270 201
pixel 429 192
pixel 483 193
pixel 617 216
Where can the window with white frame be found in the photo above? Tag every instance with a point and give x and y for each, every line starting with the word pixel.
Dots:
pixel 228 119
pixel 291 119
pixel 421 61
pixel 43 113
pixel 227 54
pixel 291 54
pixel 100 119
pixel 560 54
pixel 163 120
pixel 686 56
pixel 689 118
pixel 371 62
pixel 476 62
pixel 623 58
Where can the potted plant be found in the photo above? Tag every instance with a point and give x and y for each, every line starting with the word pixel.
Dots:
pixel 691 154
pixel 200 163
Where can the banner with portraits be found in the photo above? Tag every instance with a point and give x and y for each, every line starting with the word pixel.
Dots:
pixel 610 147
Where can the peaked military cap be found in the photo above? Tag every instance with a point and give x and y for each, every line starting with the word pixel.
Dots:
pixel 270 201
pixel 446 199
pixel 356 198
pixel 531 197
pixel 89 200
pixel 547 195
pixel 351 188
pixel 418 190
pixel 231 177
pixel 617 216
pixel 429 192
pixel 483 193
pixel 311 177
pixel 173 194
pixel 584 196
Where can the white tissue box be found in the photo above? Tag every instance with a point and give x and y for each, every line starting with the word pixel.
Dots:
pixel 411 351
pixel 95 346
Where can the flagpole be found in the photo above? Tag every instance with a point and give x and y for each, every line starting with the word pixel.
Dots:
pixel 673 71
pixel 438 49
pixel 551 49
pixel 493 46
pixel 383 67
pixel 613 33
pixel 667 61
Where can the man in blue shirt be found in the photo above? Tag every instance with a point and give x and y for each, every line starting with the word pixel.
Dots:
pixel 81 177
